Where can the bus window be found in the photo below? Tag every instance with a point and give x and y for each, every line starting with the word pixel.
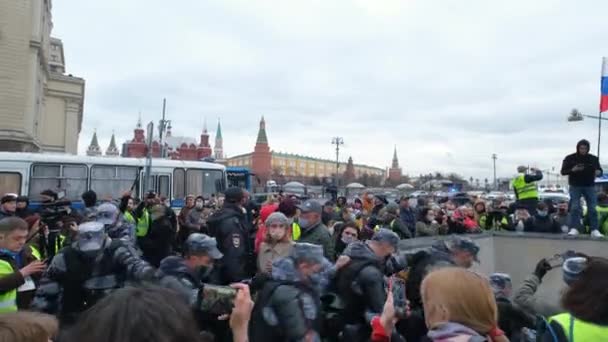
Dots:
pixel 179 190
pixel 10 182
pixel 112 181
pixel 194 182
pixel 210 180
pixel 163 186
pixel 72 179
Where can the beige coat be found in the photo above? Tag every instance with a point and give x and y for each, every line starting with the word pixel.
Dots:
pixel 269 253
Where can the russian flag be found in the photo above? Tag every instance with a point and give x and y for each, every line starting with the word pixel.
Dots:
pixel 604 98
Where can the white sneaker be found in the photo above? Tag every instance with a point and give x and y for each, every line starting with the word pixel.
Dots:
pixel 596 234
pixel 565 229
pixel 573 232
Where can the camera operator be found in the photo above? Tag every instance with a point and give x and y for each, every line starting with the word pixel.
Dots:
pixel 59 226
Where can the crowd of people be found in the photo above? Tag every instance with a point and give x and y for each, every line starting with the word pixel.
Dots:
pixel 226 269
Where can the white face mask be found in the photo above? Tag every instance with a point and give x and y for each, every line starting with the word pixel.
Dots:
pixel 199 205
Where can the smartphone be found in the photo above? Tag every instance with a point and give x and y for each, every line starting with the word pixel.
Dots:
pixel 217 300
pixel 399 296
pixel 558 259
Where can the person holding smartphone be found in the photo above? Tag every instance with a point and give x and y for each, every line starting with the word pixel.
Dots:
pixel 582 168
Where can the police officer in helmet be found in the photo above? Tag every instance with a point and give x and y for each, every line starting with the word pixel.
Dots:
pixel 83 273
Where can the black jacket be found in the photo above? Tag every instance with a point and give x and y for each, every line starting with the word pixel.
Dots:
pixel 230 228
pixel 286 309
pixel 361 284
pixel 543 225
pixel 511 319
pixel 158 244
pixel 581 178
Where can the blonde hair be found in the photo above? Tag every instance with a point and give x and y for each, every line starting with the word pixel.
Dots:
pixel 467 297
pixel 26 326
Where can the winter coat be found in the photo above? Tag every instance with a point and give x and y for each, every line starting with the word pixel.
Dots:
pixel 288 307
pixel 157 244
pixel 408 218
pixel 525 298
pixel 512 319
pixel 544 225
pixel 319 235
pixel 585 177
pixel 430 229
pixel 13 281
pixel 269 253
pixel 231 229
pixel 175 275
pixel 361 284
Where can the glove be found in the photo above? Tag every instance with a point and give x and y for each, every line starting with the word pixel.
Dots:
pixel 542 268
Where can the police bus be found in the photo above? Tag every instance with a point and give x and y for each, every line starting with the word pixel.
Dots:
pixel 29 174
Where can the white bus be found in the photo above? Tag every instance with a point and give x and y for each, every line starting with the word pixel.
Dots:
pixel 29 174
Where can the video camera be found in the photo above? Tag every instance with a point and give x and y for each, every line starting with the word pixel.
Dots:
pixel 53 213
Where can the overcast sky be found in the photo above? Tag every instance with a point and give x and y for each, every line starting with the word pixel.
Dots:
pixel 449 82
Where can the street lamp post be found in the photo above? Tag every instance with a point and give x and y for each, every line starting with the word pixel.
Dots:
pixel 494 157
pixel 338 141
pixel 575 116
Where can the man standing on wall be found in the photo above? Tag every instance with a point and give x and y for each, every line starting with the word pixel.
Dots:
pixel 581 169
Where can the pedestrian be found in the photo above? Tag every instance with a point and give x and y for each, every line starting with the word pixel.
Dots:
pixel 17 266
pixel 561 216
pixel 313 229
pixel 602 213
pixel 511 318
pixel 522 221
pixel 23 210
pixel 582 168
pixel 89 198
pixel 459 305
pixel 525 296
pixel 526 188
pixel 347 234
pixel 261 233
pixel 231 229
pixel 586 316
pixel 361 282
pixel 277 243
pixel 158 243
pixel 84 272
pixel 196 221
pixel 481 215
pixel 188 273
pixel 288 308
pixel 499 218
pixel 142 215
pixel 184 229
pixel 8 205
pixel 329 213
pixel 428 226
pixel 542 222
pixel 389 219
pixel 290 210
pixel 407 215
pixel 126 207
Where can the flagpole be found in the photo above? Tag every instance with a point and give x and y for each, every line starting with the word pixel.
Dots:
pixel 599 135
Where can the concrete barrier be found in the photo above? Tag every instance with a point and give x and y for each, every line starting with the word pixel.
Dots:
pixel 518 253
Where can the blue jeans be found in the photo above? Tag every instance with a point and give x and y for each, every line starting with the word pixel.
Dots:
pixel 576 212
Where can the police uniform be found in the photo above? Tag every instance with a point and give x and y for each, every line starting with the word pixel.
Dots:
pixel 85 272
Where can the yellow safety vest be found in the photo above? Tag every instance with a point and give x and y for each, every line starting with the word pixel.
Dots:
pixel 59 243
pixel 602 212
pixel 36 253
pixel 390 226
pixel 296 231
pixel 8 299
pixel 129 217
pixel 143 224
pixel 483 220
pixel 579 331
pixel 524 190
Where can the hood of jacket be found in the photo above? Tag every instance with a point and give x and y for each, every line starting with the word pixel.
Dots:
pixel 228 210
pixel 583 143
pixel 267 210
pixel 175 266
pixel 360 250
pixel 449 330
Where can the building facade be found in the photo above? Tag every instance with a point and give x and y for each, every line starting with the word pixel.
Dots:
pixel 41 108
pixel 176 147
pixel 267 164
